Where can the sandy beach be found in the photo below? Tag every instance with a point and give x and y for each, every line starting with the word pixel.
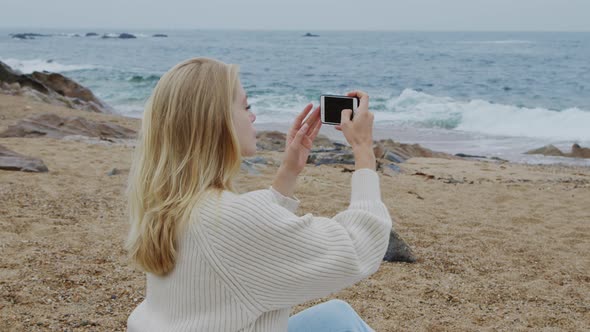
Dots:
pixel 500 246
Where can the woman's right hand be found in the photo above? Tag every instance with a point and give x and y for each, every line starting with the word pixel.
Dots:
pixel 359 131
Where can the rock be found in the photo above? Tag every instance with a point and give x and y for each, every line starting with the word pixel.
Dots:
pixel 407 151
pixel 271 140
pixel 80 95
pixel 322 141
pixel 258 160
pixel 548 150
pixel 12 161
pixel 27 35
pixel 391 169
pixel 579 152
pixel 160 35
pixel 54 89
pixel 464 155
pixel 54 126
pixel 393 157
pixel 398 250
pixel 91 34
pixel 126 36
pixel 249 168
pixel 310 35
pixel 9 75
pixel 112 172
pixel 340 157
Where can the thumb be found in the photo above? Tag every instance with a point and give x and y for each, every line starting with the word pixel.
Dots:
pixel 345 117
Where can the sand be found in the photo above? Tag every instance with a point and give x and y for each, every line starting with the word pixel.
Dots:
pixel 500 246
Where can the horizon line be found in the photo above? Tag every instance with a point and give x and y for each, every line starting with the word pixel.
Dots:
pixel 284 30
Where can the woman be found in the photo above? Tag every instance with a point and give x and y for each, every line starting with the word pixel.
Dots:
pixel 216 260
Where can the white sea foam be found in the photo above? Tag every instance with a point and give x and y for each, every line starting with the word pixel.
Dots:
pixel 424 110
pixel 509 41
pixel 29 66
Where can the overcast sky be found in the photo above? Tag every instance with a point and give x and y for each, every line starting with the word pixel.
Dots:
pixel 307 15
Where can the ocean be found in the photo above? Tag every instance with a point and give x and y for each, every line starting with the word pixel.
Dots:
pixel 484 93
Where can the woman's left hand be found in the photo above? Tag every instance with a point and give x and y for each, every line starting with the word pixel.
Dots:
pixel 300 139
pixel 299 142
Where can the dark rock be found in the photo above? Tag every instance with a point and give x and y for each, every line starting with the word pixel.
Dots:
pixel 393 157
pixel 391 169
pixel 464 155
pixel 9 75
pixel 310 35
pixel 161 35
pixel 54 126
pixel 398 250
pixel 112 172
pixel 341 157
pixel 12 161
pixel 548 150
pixel 119 36
pixel 27 35
pixel 126 36
pixel 91 34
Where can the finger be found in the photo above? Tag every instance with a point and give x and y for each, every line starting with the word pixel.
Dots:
pixel 316 129
pixel 300 134
pixel 364 99
pixel 345 117
pixel 338 127
pixel 302 115
pixel 313 116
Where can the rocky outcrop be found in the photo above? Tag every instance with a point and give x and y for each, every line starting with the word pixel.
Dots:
pixel 54 126
pixel 160 35
pixel 550 150
pixel 123 35
pixel 51 88
pixel 78 94
pixel 27 35
pixel 12 161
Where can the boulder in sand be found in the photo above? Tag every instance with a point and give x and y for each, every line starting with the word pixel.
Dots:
pixel 12 161
pixel 54 126
pixel 548 150
pixel 398 250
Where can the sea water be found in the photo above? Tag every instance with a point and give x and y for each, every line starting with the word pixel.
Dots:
pixel 485 93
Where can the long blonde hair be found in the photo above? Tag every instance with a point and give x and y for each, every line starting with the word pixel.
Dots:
pixel 187 148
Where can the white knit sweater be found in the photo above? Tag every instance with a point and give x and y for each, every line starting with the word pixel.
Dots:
pixel 247 259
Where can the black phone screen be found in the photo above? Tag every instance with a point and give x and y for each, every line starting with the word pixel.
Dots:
pixel 333 107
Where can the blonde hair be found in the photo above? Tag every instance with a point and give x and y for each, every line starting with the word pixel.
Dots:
pixel 187 148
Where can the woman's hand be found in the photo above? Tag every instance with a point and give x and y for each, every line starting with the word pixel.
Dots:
pixel 359 131
pixel 299 142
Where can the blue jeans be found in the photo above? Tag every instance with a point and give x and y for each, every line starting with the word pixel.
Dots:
pixel 330 316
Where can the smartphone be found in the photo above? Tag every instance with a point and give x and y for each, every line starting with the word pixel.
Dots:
pixel 331 107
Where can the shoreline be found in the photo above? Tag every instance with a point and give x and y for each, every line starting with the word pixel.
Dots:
pixel 454 142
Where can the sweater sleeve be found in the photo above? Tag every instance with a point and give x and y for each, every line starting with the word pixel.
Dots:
pixel 279 259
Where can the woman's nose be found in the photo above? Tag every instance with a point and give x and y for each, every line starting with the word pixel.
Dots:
pixel 253 117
